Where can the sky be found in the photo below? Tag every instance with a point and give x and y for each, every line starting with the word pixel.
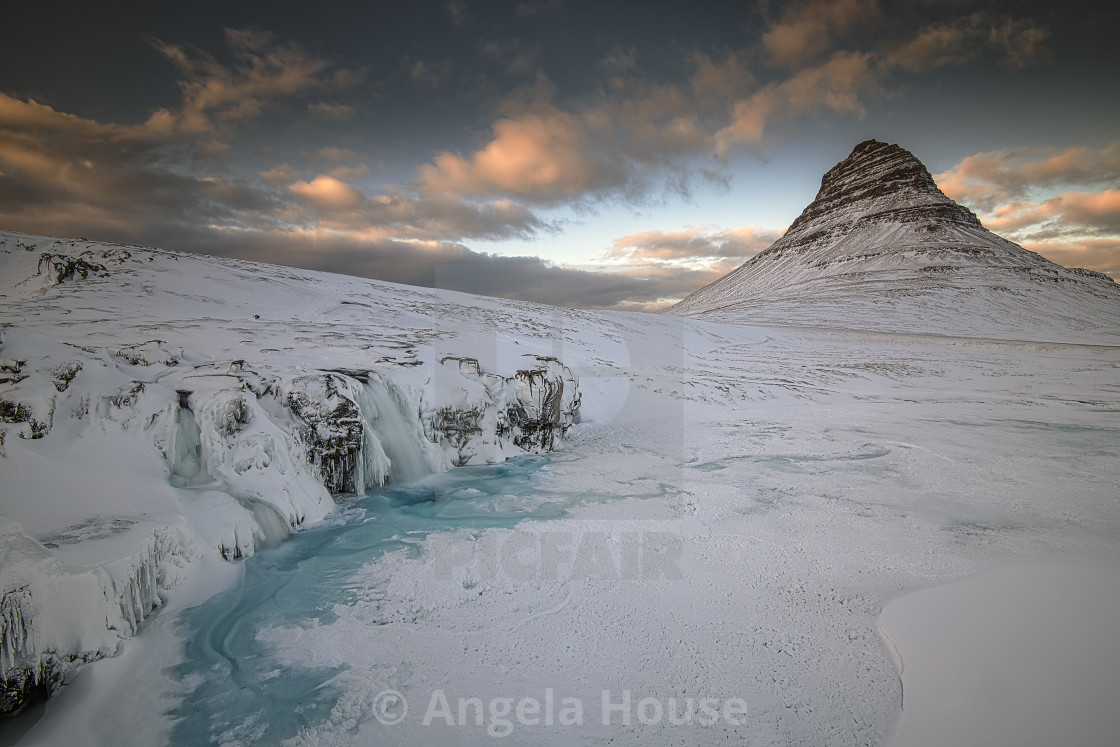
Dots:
pixel 588 154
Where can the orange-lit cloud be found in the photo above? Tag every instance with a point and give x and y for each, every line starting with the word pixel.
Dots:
pixel 703 244
pixel 840 85
pixel 637 135
pixel 808 31
pixel 724 79
pixel 543 155
pixel 1095 210
pixel 1014 193
pixel 987 179
pixel 1100 254
pixel 278 175
pixel 327 192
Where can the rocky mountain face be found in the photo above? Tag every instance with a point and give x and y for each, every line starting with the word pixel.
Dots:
pixel 882 248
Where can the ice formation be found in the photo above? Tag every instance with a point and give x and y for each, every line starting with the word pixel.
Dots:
pixel 245 452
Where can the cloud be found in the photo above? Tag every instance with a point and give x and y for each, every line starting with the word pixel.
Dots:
pixel 1015 193
pixel 543 156
pixel 1023 44
pixel 458 13
pixel 346 173
pixel 1019 43
pixel 702 244
pixel 60 170
pixel 1096 212
pixel 265 71
pixel 329 203
pixel 987 179
pixel 934 47
pixel 721 79
pixel 619 61
pixel 329 193
pixel 64 174
pixel 278 175
pixel 625 143
pixel 635 137
pixel 519 58
pixel 429 74
pixel 334 154
pixel 538 7
pixel 808 31
pixel 1100 254
pixel 840 85
pixel 331 111
pixel 443 264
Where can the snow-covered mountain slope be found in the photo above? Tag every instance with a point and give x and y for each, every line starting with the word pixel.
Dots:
pixel 156 407
pixel 167 412
pixel 882 248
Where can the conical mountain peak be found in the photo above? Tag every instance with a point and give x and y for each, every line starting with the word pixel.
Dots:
pixel 881 247
pixel 881 180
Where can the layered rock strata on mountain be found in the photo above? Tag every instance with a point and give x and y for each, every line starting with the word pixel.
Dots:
pixel 881 247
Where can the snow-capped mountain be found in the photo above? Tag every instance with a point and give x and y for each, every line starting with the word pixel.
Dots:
pixel 882 248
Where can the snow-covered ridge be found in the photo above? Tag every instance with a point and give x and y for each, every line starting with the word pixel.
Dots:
pixel 882 248
pixel 189 391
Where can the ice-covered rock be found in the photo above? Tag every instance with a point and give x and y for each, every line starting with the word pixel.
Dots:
pixel 480 417
pixel 55 616
pixel 150 353
pixel 547 405
pixel 335 433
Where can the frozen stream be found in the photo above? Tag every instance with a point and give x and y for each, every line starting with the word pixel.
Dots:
pixel 786 490
pixel 238 689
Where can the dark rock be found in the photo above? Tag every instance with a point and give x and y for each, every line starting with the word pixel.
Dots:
pixel 335 430
pixel 63 374
pixel 59 268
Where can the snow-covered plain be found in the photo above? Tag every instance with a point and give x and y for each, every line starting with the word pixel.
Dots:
pixel 724 524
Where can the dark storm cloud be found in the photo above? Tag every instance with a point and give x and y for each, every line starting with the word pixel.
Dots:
pixel 447 265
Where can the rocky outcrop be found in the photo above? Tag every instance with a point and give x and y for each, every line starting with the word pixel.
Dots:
pixel 59 268
pixel 334 433
pixel 151 353
pixel 479 417
pixel 547 404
